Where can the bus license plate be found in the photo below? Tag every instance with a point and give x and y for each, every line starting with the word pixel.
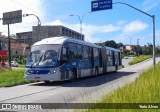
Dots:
pixel 37 77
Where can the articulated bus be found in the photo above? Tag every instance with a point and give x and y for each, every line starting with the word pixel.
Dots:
pixel 65 58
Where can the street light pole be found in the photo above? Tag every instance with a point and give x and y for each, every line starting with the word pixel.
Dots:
pixel 153 22
pixel 39 22
pixel 138 47
pixel 154 60
pixel 80 21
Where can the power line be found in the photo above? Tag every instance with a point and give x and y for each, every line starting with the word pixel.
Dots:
pixel 24 6
pixel 30 9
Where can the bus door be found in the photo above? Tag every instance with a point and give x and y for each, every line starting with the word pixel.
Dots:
pixel 64 59
pixel 113 58
pixel 92 57
pixel 119 58
pixel 104 64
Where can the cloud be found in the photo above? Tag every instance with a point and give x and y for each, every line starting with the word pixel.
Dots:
pixel 27 7
pixel 109 28
pixel 135 26
pixel 56 22
pixel 89 30
pixel 121 22
pixel 92 32
pixel 150 4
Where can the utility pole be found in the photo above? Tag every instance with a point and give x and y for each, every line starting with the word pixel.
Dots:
pixel 0 44
pixel 80 21
pixel 39 24
pixel 153 30
pixel 138 47
pixel 11 18
pixel 9 47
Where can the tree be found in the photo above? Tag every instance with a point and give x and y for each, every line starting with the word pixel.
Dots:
pixel 126 52
pixel 137 50
pixel 148 49
pixel 120 45
pixel 100 44
pixel 157 49
pixel 111 43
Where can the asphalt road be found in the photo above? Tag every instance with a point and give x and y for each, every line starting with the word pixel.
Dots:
pixel 126 60
pixel 83 90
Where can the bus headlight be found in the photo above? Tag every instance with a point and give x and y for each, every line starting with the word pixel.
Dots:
pixel 26 72
pixel 53 71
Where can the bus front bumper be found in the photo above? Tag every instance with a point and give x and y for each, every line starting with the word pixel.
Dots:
pixel 43 77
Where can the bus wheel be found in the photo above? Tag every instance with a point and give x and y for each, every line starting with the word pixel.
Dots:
pixel 116 68
pixel 73 75
pixel 96 71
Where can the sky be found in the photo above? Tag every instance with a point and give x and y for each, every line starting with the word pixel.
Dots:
pixel 121 23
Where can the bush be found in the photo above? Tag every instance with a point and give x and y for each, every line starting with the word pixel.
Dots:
pixel 20 60
pixel 139 59
pixel 13 77
pixel 145 89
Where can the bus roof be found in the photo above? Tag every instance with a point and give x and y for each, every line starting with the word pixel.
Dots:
pixel 62 39
pixel 113 49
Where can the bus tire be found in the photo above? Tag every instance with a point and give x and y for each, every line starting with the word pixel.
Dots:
pixel 96 71
pixel 73 75
pixel 116 68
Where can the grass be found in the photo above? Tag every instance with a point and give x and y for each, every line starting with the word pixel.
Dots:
pixel 139 59
pixel 13 77
pixel 21 65
pixel 146 89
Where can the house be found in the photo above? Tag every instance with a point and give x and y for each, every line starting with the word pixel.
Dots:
pixel 128 47
pixel 17 48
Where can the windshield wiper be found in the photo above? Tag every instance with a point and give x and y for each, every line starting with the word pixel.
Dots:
pixel 41 57
pixel 32 65
pixel 37 61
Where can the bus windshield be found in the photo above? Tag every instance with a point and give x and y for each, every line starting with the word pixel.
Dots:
pixel 43 55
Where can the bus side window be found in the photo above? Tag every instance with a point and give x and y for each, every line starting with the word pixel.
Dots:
pixel 64 56
pixel 96 56
pixel 116 56
pixel 100 57
pixel 72 51
pixel 113 58
pixel 90 53
pixel 108 58
pixel 79 52
pixel 85 53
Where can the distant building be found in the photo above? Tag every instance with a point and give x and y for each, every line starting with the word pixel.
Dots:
pixel 23 40
pixel 42 32
pixel 24 37
pixel 17 48
pixel 128 47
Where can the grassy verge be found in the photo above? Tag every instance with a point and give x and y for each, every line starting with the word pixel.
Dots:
pixel 14 77
pixel 139 59
pixel 21 65
pixel 146 89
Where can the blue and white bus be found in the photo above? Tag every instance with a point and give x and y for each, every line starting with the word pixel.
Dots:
pixel 65 58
